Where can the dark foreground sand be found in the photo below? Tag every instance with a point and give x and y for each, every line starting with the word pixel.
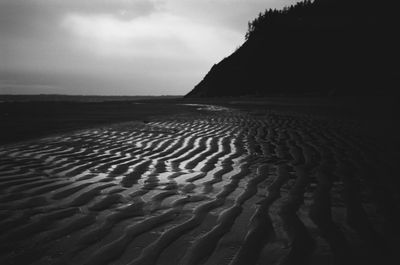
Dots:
pixel 217 187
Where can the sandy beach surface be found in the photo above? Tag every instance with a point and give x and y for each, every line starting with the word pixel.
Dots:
pixel 218 186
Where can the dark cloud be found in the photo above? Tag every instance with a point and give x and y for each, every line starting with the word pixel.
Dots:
pixel 33 17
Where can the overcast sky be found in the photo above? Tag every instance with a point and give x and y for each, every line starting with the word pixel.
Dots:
pixel 118 47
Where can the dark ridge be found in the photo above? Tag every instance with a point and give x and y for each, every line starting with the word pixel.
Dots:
pixel 324 47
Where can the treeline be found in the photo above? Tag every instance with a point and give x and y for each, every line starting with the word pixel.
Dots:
pixel 275 16
pixel 324 14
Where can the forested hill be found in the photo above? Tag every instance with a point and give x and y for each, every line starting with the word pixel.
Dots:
pixel 321 47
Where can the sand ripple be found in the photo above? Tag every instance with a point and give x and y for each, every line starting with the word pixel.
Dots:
pixel 222 187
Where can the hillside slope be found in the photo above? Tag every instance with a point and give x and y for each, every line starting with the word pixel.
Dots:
pixel 325 47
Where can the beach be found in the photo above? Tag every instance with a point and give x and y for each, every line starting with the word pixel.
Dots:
pixel 207 184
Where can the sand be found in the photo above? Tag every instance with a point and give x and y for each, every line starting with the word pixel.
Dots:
pixel 219 187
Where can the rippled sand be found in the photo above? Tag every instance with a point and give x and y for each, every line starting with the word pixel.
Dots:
pixel 222 187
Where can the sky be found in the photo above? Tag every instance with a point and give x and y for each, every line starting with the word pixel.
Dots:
pixel 118 47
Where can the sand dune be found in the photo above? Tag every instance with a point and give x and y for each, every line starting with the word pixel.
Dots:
pixel 222 187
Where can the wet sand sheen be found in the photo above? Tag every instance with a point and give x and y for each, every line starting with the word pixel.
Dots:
pixel 222 187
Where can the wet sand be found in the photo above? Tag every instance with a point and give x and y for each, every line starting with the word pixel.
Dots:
pixel 28 117
pixel 219 186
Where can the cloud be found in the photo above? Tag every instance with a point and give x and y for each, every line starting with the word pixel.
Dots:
pixel 40 16
pixel 159 35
